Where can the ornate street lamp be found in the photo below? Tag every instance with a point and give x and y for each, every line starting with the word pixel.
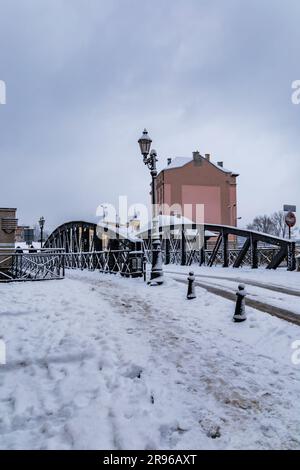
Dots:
pixel 42 223
pixel 150 159
pixel 145 145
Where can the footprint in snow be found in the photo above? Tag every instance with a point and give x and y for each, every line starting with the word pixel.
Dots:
pixel 133 372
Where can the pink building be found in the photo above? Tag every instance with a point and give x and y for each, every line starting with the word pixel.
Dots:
pixel 190 182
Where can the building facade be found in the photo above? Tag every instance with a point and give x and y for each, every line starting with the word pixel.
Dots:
pixel 20 233
pixel 8 225
pixel 198 189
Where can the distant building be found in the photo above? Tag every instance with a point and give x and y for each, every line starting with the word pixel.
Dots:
pixel 135 222
pixel 8 225
pixel 197 180
pixel 20 233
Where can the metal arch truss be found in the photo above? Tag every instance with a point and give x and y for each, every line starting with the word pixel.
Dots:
pixel 258 249
pixel 80 236
pixel 84 248
pixel 231 246
pixel 73 237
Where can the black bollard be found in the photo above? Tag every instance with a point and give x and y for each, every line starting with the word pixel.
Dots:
pixel 240 311
pixel 191 286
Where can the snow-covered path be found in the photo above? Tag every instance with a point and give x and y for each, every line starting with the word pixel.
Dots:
pixel 97 361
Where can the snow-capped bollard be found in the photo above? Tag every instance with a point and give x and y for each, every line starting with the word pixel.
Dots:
pixel 240 311
pixel 191 286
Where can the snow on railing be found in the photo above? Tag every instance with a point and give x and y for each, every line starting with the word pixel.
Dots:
pixel 43 264
pixel 126 262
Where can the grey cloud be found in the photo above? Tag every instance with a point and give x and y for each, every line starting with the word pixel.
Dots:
pixel 84 78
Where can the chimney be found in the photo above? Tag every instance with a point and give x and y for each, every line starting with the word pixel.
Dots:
pixel 169 161
pixel 220 164
pixel 196 155
pixel 207 156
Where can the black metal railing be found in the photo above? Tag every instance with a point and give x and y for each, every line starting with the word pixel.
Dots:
pixel 32 266
pixel 265 256
pixel 181 244
pixel 128 263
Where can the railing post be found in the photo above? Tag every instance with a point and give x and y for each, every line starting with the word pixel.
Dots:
pixel 254 257
pixel 183 247
pixel 63 264
pixel 145 267
pixel 291 257
pixel 21 265
pixel 225 249
pixel 202 256
pixel 167 250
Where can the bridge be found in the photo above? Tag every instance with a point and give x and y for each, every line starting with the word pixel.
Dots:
pixel 183 244
pixel 98 247
pixel 273 251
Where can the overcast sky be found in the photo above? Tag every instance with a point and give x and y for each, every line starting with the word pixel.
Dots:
pixel 84 77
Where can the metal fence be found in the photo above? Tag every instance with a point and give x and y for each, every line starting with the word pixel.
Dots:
pixel 51 264
pixel 127 263
pixel 202 257
pixel 264 256
pixel 32 266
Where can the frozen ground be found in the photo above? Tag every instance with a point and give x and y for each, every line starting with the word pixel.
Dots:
pixel 96 361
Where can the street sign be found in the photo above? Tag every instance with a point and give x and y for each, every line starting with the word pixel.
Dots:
pixel 289 208
pixel 290 219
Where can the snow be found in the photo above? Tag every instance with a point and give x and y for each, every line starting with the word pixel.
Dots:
pixel 246 232
pixel 178 162
pixel 25 246
pixel 279 277
pixel 97 361
pixel 112 231
pixel 177 221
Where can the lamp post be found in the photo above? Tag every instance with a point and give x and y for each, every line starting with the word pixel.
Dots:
pixel 150 159
pixel 42 223
pixel 118 227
